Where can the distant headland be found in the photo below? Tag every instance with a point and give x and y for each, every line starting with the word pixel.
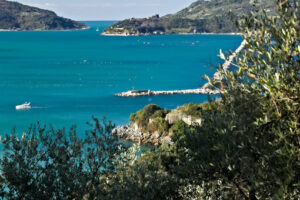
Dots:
pixel 18 17
pixel 202 17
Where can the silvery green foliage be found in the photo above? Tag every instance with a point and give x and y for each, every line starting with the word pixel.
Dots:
pixel 54 164
pixel 247 148
pixel 129 157
pixel 251 142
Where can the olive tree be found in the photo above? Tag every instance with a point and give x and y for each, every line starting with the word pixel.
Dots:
pixel 249 147
pixel 54 164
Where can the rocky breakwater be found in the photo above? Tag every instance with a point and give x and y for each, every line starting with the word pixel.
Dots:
pixel 136 93
pixel 130 132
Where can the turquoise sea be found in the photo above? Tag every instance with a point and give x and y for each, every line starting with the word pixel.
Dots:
pixel 68 76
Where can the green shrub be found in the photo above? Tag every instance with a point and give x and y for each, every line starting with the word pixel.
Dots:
pixel 142 116
pixel 178 130
pixel 159 124
pixel 160 113
pixel 197 110
pixel 132 117
pixel 151 109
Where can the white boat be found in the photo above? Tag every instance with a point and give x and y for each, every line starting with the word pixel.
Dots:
pixel 97 29
pixel 24 106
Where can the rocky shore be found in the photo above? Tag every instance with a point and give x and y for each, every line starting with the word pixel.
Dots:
pixel 130 133
pixel 134 133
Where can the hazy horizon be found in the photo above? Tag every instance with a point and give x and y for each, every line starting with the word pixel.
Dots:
pixel 108 10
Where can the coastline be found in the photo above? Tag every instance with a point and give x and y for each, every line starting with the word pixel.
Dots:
pixel 135 35
pixel 14 30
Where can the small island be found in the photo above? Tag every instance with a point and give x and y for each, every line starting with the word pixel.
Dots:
pixel 18 17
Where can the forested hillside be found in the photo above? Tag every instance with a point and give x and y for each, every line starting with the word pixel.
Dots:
pixel 215 16
pixel 16 16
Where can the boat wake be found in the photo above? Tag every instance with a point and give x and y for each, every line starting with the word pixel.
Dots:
pixel 39 107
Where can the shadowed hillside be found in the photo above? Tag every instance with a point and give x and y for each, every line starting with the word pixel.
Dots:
pixel 16 16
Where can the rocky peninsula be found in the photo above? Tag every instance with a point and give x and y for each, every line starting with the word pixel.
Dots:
pixel 18 17
pixel 157 126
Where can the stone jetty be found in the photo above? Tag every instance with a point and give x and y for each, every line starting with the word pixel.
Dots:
pixel 136 93
pixel 217 76
pixel 204 90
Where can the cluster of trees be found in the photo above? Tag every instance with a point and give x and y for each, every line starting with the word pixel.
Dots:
pixel 151 119
pixel 247 148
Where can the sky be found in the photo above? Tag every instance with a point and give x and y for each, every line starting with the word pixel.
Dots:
pixel 109 9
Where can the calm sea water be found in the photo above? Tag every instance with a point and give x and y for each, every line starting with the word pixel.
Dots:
pixel 68 76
